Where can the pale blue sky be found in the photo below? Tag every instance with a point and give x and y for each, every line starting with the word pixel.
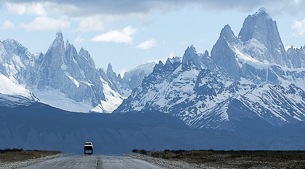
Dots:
pixel 128 33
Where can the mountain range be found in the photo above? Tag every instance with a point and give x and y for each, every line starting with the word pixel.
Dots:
pixel 246 76
pixel 64 77
pixel 247 93
pixel 249 76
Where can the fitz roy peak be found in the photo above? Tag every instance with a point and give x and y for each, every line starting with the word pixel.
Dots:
pixel 63 77
pixel 259 29
pixel 249 77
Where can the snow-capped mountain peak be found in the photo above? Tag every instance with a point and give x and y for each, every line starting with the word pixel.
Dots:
pixel 59 36
pixel 191 57
pixel 173 60
pixel 260 29
pixel 222 53
pixel 135 76
pixel 62 77
pixel 228 34
pixel 262 11
pixel 259 26
pixel 246 78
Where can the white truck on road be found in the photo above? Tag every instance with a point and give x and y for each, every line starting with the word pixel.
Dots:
pixel 88 148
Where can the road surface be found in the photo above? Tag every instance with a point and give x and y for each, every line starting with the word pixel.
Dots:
pixel 94 162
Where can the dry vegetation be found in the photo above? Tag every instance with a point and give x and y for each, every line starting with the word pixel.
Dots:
pixel 233 159
pixel 15 155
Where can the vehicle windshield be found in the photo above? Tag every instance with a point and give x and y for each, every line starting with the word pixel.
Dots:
pixel 88 143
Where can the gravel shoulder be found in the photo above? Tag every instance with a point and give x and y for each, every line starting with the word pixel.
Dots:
pixel 17 158
pixel 169 163
pixel 223 159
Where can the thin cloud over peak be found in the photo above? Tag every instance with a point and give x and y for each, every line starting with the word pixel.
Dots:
pixel 147 44
pixel 299 27
pixel 8 25
pixel 124 35
pixel 45 23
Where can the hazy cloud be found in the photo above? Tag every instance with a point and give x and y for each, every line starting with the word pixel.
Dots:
pixel 124 35
pixel 171 54
pixel 299 27
pixel 147 44
pixel 79 40
pixel 93 15
pixel 46 23
pixel 122 7
pixel 93 23
pixel 27 8
pixel 8 25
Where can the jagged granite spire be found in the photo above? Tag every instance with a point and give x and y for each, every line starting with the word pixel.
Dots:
pixel 262 30
pixel 228 34
pixel 190 58
pixel 63 69
pixel 222 53
pixel 259 26
pixel 59 36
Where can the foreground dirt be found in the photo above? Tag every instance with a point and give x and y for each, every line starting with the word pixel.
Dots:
pixel 233 159
pixel 16 155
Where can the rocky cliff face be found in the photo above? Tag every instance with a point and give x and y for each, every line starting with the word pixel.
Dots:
pixel 62 77
pixel 246 77
pixel 15 60
pixel 262 39
pixel 70 72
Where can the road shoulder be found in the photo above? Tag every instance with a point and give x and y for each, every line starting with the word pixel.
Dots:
pixel 166 163
pixel 20 164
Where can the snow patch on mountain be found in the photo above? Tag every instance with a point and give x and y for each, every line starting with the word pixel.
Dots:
pixel 72 79
pixel 244 57
pixel 111 102
pixel 57 99
pixel 8 87
pixel 135 76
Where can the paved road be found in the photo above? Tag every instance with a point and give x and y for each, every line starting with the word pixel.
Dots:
pixel 94 162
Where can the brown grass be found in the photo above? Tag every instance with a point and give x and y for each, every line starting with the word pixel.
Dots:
pixel 13 155
pixel 234 159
